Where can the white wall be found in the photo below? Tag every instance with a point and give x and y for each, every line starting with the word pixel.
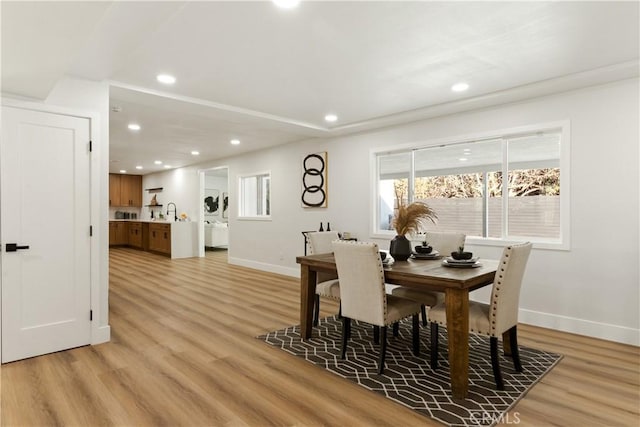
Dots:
pixel 180 186
pixel 591 289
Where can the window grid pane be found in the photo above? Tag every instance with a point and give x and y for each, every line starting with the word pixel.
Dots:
pixel 463 183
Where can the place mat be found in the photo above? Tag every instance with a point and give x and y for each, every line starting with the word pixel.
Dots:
pixel 409 380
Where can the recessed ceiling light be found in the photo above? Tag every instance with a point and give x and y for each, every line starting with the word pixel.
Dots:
pixel 166 79
pixel 460 87
pixel 331 117
pixel 463 159
pixel 134 126
pixel 235 142
pixel 138 167
pixel 158 162
pixel 286 4
pixel 167 166
pixel 123 171
pixel 195 153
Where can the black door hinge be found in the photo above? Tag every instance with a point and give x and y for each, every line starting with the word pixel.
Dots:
pixel 90 146
pixel 91 315
pixel 90 230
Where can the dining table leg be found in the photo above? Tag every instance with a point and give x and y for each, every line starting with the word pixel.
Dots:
pixel 307 295
pixel 457 307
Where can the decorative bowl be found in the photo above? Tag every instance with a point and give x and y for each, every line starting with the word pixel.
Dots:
pixel 461 255
pixel 383 256
pixel 423 249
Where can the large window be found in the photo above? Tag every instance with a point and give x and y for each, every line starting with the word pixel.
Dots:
pixel 255 196
pixel 463 182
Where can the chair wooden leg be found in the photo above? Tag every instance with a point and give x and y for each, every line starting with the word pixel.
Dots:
pixel 383 349
pixel 423 311
pixel 376 335
pixel 495 362
pixel 346 325
pixel 415 330
pixel 396 328
pixel 316 310
pixel 434 345
pixel 515 353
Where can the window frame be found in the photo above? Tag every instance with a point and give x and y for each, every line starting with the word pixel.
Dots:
pixel 242 217
pixel 563 127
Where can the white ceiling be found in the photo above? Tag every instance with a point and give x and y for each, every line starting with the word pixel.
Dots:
pixel 267 76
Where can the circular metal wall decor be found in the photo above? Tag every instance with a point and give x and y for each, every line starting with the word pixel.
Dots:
pixel 314 180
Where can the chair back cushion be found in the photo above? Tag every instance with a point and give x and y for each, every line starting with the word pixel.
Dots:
pixel 505 294
pixel 320 241
pixel 362 291
pixel 445 243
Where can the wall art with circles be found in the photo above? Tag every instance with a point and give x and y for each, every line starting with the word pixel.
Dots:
pixel 314 180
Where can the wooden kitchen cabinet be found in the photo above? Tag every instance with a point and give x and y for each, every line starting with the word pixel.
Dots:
pixel 160 238
pixel 114 189
pixel 131 190
pixel 135 235
pixel 125 190
pixel 118 233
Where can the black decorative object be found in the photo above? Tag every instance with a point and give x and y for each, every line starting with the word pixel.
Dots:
pixel 328 226
pixel 314 181
pixel 321 228
pixel 461 254
pixel 400 248
pixel 423 249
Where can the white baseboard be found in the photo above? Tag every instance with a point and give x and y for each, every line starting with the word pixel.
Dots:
pixel 605 331
pixel 100 335
pixel 271 268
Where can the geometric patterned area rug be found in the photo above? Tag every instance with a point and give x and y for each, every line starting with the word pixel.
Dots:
pixel 409 380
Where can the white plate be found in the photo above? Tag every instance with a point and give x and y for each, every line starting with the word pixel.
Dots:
pixel 475 264
pixel 461 261
pixel 433 255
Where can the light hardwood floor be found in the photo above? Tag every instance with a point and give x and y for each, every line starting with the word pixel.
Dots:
pixel 183 352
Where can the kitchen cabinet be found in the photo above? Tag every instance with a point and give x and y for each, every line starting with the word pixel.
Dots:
pixel 174 239
pixel 114 189
pixel 125 190
pixel 131 190
pixel 135 235
pixel 160 238
pixel 118 233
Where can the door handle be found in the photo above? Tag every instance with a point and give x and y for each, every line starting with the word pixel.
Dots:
pixel 13 247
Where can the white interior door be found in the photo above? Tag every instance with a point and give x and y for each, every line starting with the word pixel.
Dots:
pixel 45 205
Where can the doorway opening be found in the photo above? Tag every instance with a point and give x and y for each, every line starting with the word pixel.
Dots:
pixel 214 218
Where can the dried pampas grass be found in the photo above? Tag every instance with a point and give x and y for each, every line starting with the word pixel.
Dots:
pixel 409 218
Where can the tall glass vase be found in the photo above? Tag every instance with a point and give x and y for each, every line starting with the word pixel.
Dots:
pixel 400 248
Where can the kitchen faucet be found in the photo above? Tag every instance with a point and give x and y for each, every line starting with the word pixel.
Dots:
pixel 175 211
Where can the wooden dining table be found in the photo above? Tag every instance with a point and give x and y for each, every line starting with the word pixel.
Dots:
pixel 455 283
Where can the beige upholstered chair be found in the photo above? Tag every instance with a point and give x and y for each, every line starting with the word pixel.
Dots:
pixel 363 296
pixel 497 318
pixel 445 243
pixel 327 284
